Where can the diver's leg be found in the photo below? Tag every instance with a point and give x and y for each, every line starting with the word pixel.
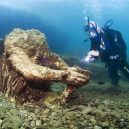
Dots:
pixel 125 69
pixel 112 70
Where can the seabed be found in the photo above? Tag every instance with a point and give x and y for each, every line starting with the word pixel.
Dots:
pixel 97 105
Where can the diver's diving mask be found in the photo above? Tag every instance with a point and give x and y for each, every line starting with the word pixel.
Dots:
pixel 92 32
pixel 91 29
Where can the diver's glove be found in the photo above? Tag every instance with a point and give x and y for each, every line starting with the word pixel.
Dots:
pixel 92 56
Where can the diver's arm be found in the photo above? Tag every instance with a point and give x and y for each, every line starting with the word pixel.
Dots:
pixel 94 45
pixel 122 46
pixel 121 42
pixel 93 54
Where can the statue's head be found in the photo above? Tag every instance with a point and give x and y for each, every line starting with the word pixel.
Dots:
pixel 32 42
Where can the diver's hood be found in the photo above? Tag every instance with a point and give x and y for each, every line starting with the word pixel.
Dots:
pixel 92 29
pixel 95 26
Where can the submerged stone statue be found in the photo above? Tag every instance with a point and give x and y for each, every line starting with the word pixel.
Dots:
pixel 28 67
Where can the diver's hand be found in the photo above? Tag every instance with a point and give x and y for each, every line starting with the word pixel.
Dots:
pixel 75 78
pixel 92 56
pixel 93 53
pixel 89 59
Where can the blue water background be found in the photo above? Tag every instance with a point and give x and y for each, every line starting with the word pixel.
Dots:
pixel 62 20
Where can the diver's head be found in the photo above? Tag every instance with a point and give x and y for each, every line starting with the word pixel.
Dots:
pixel 92 29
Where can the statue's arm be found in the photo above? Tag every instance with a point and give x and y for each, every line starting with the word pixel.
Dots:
pixel 59 62
pixel 21 63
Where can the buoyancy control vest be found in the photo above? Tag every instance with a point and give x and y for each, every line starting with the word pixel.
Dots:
pixel 111 44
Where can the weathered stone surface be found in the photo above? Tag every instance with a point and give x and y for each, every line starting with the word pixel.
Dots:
pixel 28 67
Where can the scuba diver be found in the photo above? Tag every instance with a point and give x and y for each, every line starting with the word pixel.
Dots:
pixel 109 45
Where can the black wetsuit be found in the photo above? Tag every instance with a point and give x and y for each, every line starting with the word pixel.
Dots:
pixel 112 49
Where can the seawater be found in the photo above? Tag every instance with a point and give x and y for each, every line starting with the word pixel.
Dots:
pixel 62 20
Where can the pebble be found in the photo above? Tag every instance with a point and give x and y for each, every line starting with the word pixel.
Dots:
pixel 97 127
pixel 105 102
pixel 38 123
pixel 12 100
pixel 93 121
pixel 32 123
pixel 87 110
pixel 1 122
pixel 47 111
pixel 23 113
pixel 105 124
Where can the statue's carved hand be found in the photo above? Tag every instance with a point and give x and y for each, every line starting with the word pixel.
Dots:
pixel 76 76
pixel 81 71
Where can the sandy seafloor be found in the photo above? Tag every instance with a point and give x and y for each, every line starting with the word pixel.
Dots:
pixel 98 105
